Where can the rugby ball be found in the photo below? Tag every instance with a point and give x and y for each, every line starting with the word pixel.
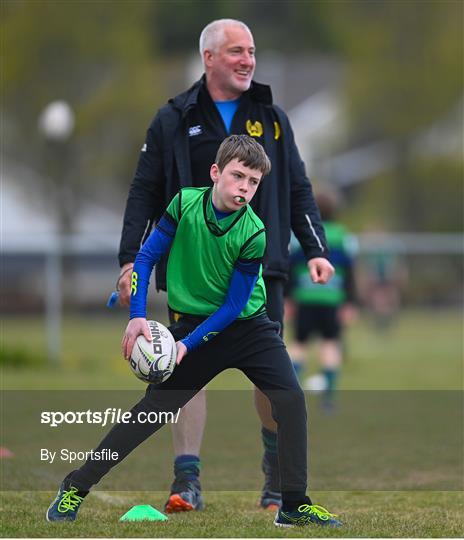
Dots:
pixel 154 361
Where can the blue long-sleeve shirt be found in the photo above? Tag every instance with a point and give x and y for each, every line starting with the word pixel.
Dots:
pixel 242 282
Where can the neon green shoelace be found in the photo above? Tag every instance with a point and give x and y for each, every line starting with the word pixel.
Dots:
pixel 69 500
pixel 315 509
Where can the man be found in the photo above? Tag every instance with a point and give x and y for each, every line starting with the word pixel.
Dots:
pixel 180 147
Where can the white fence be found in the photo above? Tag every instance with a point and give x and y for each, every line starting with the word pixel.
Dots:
pixel 97 284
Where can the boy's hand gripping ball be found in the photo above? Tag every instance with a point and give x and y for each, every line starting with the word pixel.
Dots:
pixel 154 361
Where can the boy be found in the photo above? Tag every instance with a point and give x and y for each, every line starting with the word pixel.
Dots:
pixel 325 310
pixel 215 287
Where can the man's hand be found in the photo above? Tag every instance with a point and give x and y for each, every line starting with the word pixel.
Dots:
pixel 181 351
pixel 320 270
pixel 135 328
pixel 124 284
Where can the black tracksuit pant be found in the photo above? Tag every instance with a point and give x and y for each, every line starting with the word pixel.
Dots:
pixel 252 346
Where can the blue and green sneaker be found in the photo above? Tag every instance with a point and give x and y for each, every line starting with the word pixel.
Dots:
pixel 306 514
pixel 185 495
pixel 67 502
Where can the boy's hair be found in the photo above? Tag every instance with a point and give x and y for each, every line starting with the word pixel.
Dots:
pixel 328 202
pixel 246 150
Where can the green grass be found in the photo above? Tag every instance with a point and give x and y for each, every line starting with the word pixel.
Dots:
pixel 422 351
pixel 235 514
pixel 410 442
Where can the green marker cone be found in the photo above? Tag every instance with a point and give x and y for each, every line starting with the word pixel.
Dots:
pixel 143 512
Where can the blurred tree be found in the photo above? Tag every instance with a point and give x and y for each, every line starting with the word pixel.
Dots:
pixel 101 58
pixel 286 26
pixel 437 199
pixel 405 73
pixel 405 62
pixel 109 60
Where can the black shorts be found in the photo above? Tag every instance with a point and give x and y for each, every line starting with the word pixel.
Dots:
pixel 254 347
pixel 317 319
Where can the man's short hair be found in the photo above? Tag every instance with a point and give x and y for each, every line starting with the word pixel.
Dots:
pixel 212 36
pixel 247 150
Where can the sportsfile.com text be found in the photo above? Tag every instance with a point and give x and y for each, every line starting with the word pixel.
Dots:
pixel 111 415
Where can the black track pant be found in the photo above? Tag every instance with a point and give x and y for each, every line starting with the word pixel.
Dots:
pixel 253 346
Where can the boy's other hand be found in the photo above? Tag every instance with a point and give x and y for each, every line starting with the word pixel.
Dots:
pixel 124 284
pixel 135 328
pixel 181 351
pixel 320 270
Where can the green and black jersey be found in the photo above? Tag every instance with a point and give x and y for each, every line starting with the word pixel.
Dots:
pixel 205 251
pixel 340 288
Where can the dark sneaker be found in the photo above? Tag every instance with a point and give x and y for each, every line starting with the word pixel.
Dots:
pixel 328 405
pixel 306 514
pixel 67 502
pixel 185 496
pixel 271 498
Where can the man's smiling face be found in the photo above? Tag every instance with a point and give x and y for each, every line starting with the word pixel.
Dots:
pixel 230 68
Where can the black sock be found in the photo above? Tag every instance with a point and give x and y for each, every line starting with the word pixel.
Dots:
pixel 269 439
pixel 187 466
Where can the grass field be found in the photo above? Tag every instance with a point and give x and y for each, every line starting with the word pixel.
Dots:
pixel 422 351
pixel 384 473
pixel 235 514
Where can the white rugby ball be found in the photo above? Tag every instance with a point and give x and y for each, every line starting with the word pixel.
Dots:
pixel 154 361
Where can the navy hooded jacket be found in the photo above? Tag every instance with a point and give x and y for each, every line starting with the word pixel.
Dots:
pixel 283 201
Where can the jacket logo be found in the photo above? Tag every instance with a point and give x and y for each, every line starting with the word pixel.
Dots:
pixel 277 131
pixel 254 129
pixel 195 130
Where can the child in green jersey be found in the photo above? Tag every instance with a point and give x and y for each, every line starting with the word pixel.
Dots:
pixel 215 286
pixel 324 310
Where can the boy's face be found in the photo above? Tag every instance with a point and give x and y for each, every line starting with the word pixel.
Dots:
pixel 234 186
